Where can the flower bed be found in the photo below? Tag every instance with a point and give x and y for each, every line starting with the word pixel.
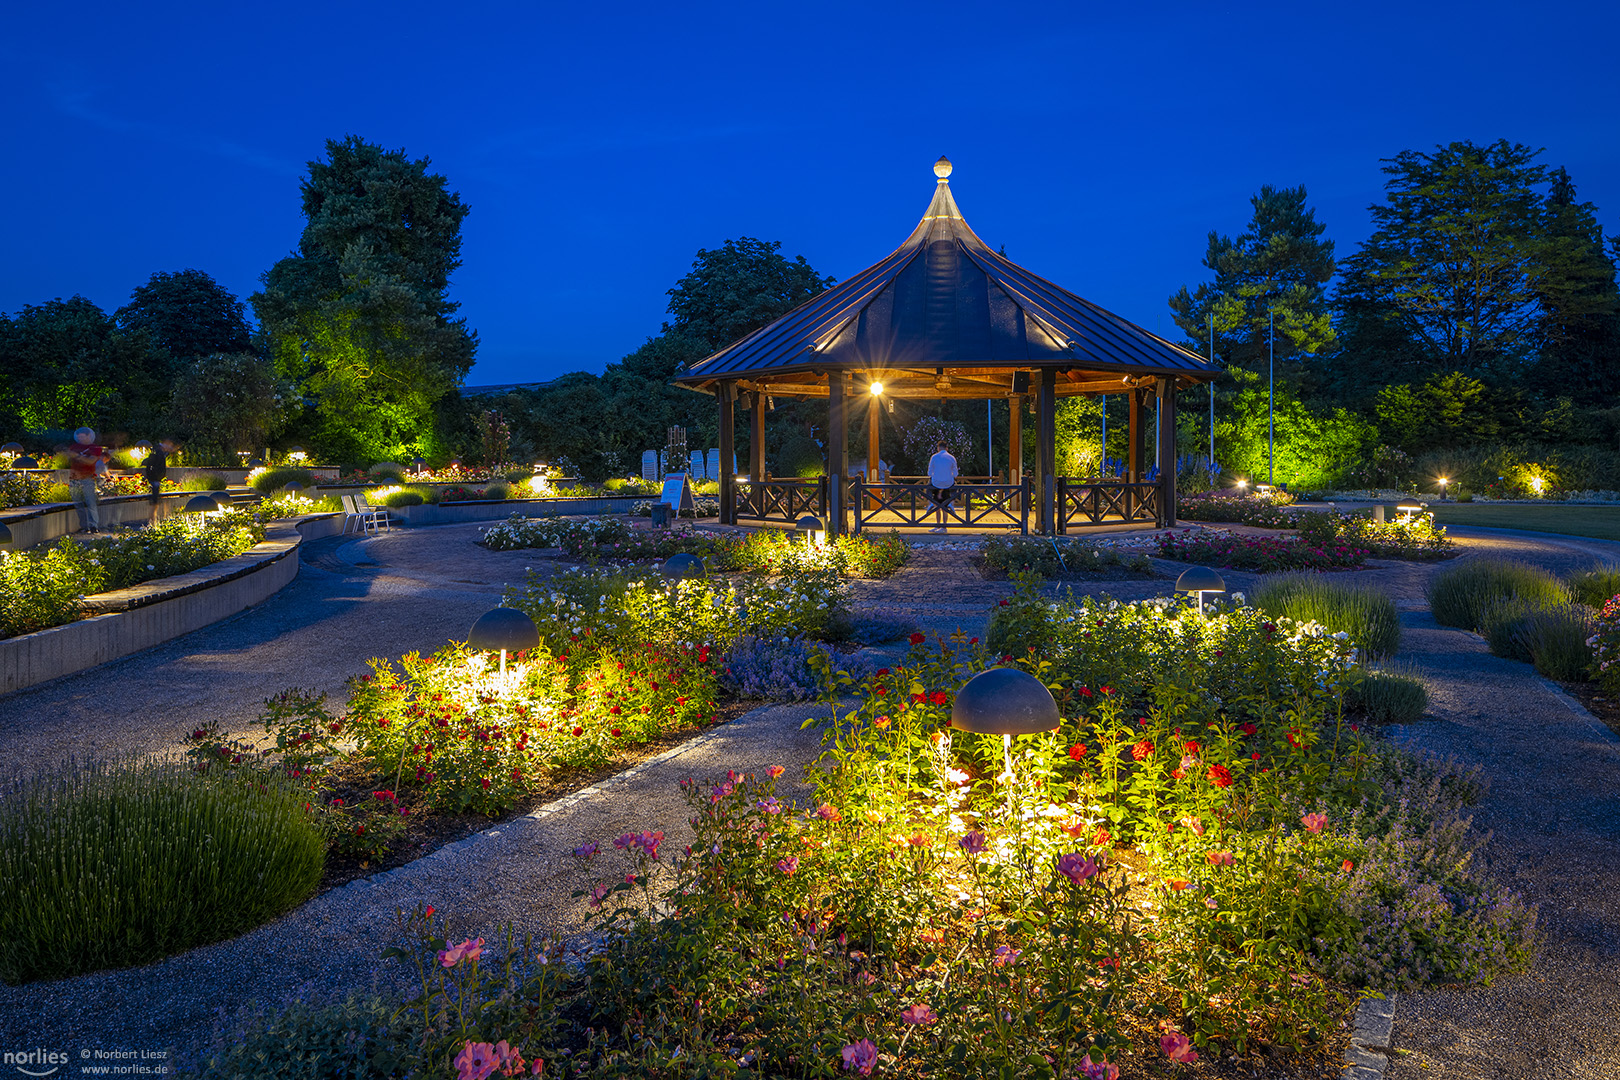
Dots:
pixel 1415 537
pixel 1204 859
pixel 1264 554
pixel 1605 643
pixel 609 539
pixel 1263 511
pixel 1063 558
pixel 44 588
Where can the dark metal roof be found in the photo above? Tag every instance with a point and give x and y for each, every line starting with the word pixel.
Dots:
pixel 943 299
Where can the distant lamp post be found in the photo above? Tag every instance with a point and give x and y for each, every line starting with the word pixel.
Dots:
pixel 503 630
pixel 417 465
pixel 1443 482
pixel 1005 701
pixel 200 504
pixel 296 454
pixel 1199 580
pixel 812 527
pixel 1407 508
pixel 1242 486
pixel 455 463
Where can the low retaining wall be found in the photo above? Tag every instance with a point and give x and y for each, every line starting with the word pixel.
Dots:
pixel 501 509
pixel 146 615
pixel 42 524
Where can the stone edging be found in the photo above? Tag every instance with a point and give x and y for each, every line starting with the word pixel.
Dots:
pixel 127 621
pixel 1371 1039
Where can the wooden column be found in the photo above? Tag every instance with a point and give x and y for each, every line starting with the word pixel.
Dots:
pixel 837 449
pixel 1133 439
pixel 874 409
pixel 1166 389
pixel 1046 441
pixel 756 437
pixel 728 451
pixel 1015 439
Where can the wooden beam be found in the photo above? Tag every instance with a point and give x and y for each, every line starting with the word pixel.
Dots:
pixel 756 437
pixel 1046 440
pixel 837 450
pixel 1133 439
pixel 1167 452
pixel 1015 439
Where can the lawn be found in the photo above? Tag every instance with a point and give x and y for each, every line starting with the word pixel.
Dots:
pixel 1600 522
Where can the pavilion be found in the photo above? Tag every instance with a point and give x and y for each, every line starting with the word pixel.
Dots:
pixel 944 316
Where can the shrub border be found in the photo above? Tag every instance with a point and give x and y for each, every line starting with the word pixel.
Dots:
pixel 126 621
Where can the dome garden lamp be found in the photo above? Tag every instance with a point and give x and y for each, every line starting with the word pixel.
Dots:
pixel 1005 701
pixel 291 489
pixel 812 527
pixel 417 465
pixel 25 462
pixel 1200 580
pixel 140 450
pixel 11 450
pixel 296 454
pixel 222 500
pixel 503 630
pixel 681 567
pixel 200 504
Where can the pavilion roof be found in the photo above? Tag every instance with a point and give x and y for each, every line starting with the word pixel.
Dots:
pixel 943 315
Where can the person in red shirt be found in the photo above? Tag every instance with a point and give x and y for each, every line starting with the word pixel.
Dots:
pixel 86 461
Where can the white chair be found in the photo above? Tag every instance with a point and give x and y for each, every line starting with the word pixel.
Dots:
pixel 379 514
pixel 362 520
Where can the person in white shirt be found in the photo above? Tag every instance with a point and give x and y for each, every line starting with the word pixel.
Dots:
pixel 942 474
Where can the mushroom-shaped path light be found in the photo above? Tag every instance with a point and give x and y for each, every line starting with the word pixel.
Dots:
pixel 503 630
pixel 25 462
pixel 12 449
pixel 1407 508
pixel 140 450
pixel 1200 580
pixel 222 500
pixel 1006 702
pixel 200 504
pixel 812 527
pixel 683 567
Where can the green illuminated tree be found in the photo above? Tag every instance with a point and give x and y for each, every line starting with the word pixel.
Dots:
pixel 226 402
pixel 65 362
pixel 1281 265
pixel 359 317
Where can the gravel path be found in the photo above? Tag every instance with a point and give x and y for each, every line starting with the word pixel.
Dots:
pixel 1555 804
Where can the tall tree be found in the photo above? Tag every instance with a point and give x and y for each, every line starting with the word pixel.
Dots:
pixel 360 315
pixel 1454 263
pixel 65 362
pixel 1580 303
pixel 187 314
pixel 1279 267
pixel 734 290
pixel 224 402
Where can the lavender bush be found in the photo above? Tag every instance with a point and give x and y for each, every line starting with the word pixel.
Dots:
pixel 778 669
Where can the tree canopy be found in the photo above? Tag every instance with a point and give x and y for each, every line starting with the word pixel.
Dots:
pixel 359 317
pixel 1279 266
pixel 187 314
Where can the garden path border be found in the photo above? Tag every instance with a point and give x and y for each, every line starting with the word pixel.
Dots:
pixel 126 621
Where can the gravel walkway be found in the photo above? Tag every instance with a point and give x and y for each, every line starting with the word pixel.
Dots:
pixel 1555 804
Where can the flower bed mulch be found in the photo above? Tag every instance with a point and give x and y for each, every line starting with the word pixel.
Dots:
pixel 428 830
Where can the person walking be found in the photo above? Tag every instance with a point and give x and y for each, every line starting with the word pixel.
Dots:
pixel 156 468
pixel 87 460
pixel 942 473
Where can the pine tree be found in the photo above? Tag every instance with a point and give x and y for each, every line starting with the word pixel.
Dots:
pixel 1279 267
pixel 1575 285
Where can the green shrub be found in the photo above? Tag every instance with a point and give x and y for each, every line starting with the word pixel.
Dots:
pixel 1460 595
pixel 107 865
pixel 497 489
pixel 1596 587
pixel 40 589
pixel 356 1040
pixel 1364 612
pixel 266 481
pixel 1555 640
pixel 215 482
pixel 1389 696
pixel 1500 624
pixel 387 472
pixel 398 496
pixel 23 489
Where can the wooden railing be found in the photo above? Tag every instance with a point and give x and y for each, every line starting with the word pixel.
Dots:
pixel 971 506
pixel 1105 502
pixel 782 500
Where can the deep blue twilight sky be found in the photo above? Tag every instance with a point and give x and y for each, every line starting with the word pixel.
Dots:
pixel 601 145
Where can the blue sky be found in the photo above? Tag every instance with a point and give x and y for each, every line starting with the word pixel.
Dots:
pixel 600 146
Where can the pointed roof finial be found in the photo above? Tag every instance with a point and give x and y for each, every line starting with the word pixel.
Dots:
pixel 942 169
